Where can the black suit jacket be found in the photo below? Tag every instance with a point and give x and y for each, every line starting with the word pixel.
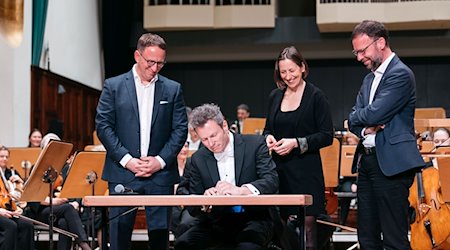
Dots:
pixel 393 105
pixel 253 165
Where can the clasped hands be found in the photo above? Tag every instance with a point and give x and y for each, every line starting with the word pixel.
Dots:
pixel 283 146
pixel 224 188
pixel 373 130
pixel 144 166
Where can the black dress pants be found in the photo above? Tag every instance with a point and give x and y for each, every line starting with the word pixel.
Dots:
pixel 231 230
pixel 67 219
pixel 16 234
pixel 382 206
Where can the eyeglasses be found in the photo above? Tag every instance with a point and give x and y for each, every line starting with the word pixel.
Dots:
pixel 363 51
pixel 150 63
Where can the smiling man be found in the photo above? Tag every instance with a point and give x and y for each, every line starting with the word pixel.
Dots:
pixel 141 120
pixel 387 156
pixel 229 164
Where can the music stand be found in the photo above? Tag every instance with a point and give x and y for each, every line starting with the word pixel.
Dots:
pixel 22 159
pixel 83 179
pixel 444 171
pixel 45 171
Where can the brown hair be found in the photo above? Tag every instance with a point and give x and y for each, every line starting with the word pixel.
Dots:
pixel 372 29
pixel 32 132
pixel 3 148
pixel 150 39
pixel 294 55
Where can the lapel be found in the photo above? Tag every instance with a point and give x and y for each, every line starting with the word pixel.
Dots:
pixel 211 165
pixel 392 64
pixel 369 80
pixel 239 149
pixel 131 88
pixel 211 162
pixel 159 89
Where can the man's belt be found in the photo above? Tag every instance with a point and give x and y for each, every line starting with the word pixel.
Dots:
pixel 369 151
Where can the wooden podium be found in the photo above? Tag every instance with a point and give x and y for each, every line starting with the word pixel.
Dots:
pixel 197 200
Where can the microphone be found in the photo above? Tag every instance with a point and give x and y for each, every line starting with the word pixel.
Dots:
pixel 120 189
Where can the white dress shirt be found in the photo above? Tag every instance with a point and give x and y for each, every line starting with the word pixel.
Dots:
pixel 369 140
pixel 226 166
pixel 145 92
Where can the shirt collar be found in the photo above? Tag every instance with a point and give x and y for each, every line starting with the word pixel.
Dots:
pixel 228 151
pixel 382 68
pixel 138 80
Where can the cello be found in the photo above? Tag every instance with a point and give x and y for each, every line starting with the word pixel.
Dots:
pixel 430 225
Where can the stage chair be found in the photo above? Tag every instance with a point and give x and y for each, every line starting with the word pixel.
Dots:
pixel 330 163
pixel 98 147
pixel 254 126
pixel 428 113
pixel 95 139
pixel 347 154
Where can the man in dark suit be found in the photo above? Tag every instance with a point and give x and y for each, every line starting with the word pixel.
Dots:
pixel 242 113
pixel 229 164
pixel 141 120
pixel 387 156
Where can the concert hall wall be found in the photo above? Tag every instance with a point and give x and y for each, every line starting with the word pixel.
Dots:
pixel 231 83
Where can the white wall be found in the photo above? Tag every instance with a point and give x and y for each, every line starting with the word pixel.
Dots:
pixel 15 87
pixel 72 34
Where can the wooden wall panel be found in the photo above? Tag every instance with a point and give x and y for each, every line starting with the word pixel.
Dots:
pixel 63 106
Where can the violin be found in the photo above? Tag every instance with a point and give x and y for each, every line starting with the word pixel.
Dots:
pixel 6 202
pixel 430 225
pixel 16 189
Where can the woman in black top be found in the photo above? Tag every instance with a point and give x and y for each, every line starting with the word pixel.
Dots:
pixel 298 124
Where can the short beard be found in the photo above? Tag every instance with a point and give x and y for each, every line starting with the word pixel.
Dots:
pixel 375 63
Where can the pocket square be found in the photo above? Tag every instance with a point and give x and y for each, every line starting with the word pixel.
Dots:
pixel 163 102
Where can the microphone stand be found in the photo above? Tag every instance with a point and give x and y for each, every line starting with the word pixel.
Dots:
pixel 107 220
pixel 49 177
pixel 91 179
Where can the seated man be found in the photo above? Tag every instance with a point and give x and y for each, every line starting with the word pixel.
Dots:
pixel 441 138
pixel 242 113
pixel 229 164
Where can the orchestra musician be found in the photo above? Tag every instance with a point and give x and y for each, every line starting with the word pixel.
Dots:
pixel 15 233
pixel 65 211
pixel 441 138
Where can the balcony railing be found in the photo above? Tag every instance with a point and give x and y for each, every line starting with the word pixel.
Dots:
pixel 163 15
pixel 343 15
